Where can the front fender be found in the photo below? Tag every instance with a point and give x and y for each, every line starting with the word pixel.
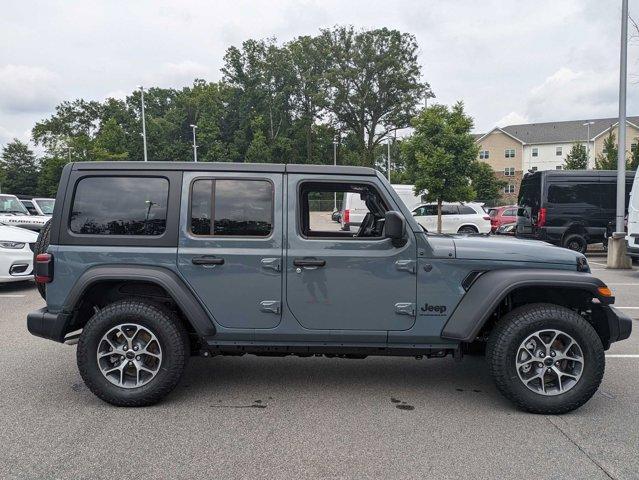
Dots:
pixel 490 288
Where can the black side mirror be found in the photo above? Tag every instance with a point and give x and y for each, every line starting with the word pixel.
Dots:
pixel 395 228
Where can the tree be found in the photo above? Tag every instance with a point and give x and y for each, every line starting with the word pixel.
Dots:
pixel 49 177
pixel 485 183
pixel 19 168
pixel 607 160
pixel 577 159
pixel 373 84
pixel 633 162
pixel 443 155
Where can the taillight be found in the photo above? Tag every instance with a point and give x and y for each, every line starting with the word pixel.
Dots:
pixel 541 217
pixel 43 268
pixel 347 216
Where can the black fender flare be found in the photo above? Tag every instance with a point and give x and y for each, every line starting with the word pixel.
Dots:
pixel 490 288
pixel 165 278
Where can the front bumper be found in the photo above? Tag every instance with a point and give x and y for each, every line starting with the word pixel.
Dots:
pixel 16 265
pixel 52 326
pixel 619 324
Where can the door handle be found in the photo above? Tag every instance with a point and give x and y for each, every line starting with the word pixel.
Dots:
pixel 308 262
pixel 205 260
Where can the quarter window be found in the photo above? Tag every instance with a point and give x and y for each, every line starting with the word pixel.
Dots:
pixel 120 206
pixel 221 207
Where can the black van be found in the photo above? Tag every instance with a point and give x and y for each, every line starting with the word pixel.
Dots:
pixel 569 208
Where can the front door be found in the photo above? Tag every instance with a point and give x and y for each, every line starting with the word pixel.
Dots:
pixel 230 249
pixel 335 280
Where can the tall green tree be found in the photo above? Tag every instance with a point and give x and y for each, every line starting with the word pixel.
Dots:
pixel 577 158
pixel 19 169
pixel 485 183
pixel 633 161
pixel 607 159
pixel 374 84
pixel 443 155
pixel 49 177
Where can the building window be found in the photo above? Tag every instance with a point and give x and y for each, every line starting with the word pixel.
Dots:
pixel 510 188
pixel 633 147
pixel 559 151
pixel 559 167
pixel 509 153
pixel 509 171
pixel 534 169
pixel 535 152
pixel 484 155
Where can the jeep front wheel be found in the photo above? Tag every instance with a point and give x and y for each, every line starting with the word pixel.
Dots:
pixel 132 353
pixel 546 358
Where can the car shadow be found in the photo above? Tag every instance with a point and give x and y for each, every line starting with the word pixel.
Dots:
pixel 17 287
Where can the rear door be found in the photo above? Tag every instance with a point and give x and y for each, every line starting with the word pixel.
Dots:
pixel 230 248
pixel 451 219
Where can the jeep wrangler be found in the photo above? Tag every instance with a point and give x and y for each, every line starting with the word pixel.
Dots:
pixel 146 264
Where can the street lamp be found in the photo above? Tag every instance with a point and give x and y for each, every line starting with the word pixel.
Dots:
pixel 143 123
pixel 587 124
pixel 194 145
pixel 335 143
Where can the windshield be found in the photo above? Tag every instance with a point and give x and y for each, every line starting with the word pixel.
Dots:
pixel 45 204
pixel 10 204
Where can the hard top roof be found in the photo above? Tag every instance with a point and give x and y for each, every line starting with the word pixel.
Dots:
pixel 227 167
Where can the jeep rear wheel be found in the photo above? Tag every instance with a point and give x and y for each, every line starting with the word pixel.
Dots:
pixel 132 353
pixel 546 358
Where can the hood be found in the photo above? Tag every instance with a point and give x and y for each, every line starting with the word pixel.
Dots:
pixel 23 219
pixel 512 249
pixel 16 234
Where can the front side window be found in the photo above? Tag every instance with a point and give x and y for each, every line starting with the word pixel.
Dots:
pixel 120 206
pixel 221 207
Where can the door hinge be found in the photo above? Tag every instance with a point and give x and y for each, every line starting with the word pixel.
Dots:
pixel 272 264
pixel 270 306
pixel 405 309
pixel 405 265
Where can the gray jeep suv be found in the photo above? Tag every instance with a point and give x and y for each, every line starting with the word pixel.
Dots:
pixel 146 264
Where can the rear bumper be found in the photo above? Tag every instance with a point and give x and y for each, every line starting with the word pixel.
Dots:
pixel 52 326
pixel 619 324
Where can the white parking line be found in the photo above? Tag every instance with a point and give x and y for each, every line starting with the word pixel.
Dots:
pixel 627 308
pixel 597 263
pixel 11 296
pixel 622 355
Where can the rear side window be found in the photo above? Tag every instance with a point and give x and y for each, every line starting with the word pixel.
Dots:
pixel 232 207
pixel 120 206
pixel 573 193
pixel 511 212
pixel 466 210
pixel 449 210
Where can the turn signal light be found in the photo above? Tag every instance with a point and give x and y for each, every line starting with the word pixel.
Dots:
pixel 604 291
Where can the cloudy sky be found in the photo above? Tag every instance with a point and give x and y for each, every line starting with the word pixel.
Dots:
pixel 509 61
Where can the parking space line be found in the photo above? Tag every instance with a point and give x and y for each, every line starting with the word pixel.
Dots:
pixel 623 284
pixel 8 295
pixel 597 263
pixel 627 308
pixel 622 355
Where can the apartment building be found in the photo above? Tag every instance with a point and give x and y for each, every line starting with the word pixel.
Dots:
pixel 515 149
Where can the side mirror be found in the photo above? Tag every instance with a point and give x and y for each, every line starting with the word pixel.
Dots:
pixel 395 228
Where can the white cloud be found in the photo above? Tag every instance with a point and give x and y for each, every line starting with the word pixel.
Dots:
pixel 513 118
pixel 25 88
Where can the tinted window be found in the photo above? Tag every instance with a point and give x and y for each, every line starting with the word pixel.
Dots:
pixel 571 193
pixel 120 206
pixel 448 210
pixel 509 213
pixel 492 212
pixel 530 191
pixel 466 210
pixel 232 207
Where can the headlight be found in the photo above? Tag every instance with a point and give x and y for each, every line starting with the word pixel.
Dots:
pixel 582 265
pixel 12 245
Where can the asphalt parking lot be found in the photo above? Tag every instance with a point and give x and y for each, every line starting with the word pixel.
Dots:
pixel 251 417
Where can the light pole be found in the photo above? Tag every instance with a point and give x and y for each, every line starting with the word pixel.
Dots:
pixel 194 144
pixel 587 124
pixel 143 124
pixel 621 149
pixel 335 143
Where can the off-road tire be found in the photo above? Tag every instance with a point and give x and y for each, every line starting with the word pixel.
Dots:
pixel 41 246
pixel 575 242
pixel 511 331
pixel 170 333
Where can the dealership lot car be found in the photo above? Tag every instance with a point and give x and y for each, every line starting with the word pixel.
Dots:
pixel 16 253
pixel 14 213
pixel 164 260
pixel 39 206
pixel 456 218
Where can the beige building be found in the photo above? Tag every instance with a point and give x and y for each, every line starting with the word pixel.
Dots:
pixel 515 149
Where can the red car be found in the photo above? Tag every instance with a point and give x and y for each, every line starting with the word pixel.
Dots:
pixel 501 215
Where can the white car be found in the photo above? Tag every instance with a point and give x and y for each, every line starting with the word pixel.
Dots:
pixel 456 218
pixel 13 213
pixel 16 253
pixel 39 206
